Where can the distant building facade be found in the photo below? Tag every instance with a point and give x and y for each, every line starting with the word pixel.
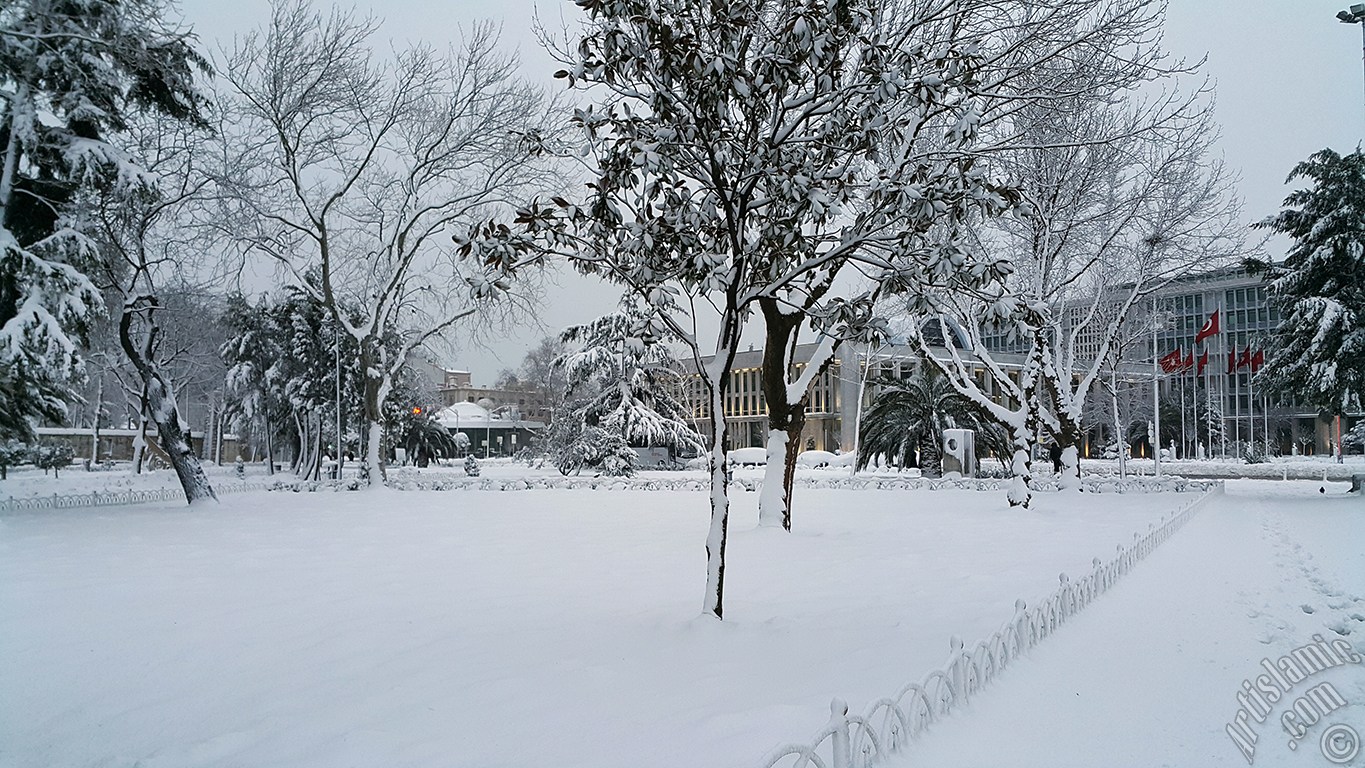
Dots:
pixel 1246 321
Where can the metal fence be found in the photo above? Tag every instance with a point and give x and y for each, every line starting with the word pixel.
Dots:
pixel 115 498
pixel 862 741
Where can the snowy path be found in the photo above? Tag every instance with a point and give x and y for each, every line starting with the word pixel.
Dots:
pixel 1149 674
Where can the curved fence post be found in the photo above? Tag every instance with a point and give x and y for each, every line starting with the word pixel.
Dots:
pixel 838 726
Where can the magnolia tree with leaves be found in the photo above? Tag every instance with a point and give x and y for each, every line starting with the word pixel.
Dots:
pixel 357 166
pixel 804 157
pixel 1317 353
pixel 1118 197
pixel 72 75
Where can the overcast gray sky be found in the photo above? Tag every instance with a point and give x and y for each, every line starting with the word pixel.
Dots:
pixel 1288 76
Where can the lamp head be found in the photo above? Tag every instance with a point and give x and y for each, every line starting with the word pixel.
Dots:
pixel 1345 17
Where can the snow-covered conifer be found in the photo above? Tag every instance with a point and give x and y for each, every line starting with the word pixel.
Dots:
pixel 72 75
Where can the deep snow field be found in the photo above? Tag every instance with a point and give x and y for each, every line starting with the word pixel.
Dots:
pixel 534 628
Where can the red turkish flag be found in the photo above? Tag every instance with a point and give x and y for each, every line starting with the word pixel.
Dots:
pixel 1210 328
pixel 1244 359
pixel 1257 360
pixel 1203 361
pixel 1172 361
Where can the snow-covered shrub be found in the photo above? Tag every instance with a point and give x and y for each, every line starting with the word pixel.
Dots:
pixel 1355 438
pixel 471 466
pixel 1254 453
pixel 12 454
pixel 600 449
pixel 53 456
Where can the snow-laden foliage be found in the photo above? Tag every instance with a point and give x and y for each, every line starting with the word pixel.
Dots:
pixel 905 422
pixel 72 73
pixel 631 382
pixel 427 440
pixel 53 456
pixel 285 354
pixel 1317 353
pixel 12 454
pixel 597 449
pixel 1355 436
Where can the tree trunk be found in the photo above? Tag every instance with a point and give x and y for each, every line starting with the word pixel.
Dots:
pixel 930 455
pixel 372 470
pixel 717 380
pixel 95 426
pixel 1069 439
pixel 1020 493
pixel 269 442
pixel 714 602
pixel 786 418
pixel 171 434
pixel 296 461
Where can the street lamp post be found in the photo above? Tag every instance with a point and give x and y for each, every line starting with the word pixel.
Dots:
pixel 1355 16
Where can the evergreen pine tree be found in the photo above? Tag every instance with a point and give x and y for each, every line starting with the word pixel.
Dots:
pixel 1317 352
pixel 71 74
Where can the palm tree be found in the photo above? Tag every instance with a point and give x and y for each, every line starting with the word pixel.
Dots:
pixel 911 414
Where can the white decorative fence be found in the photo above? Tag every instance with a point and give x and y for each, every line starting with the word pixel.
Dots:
pixel 853 741
pixel 118 498
pixel 115 498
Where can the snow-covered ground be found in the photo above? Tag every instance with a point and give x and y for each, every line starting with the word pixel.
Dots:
pixel 491 629
pixel 1149 675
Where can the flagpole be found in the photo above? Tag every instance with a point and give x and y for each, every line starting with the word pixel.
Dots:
pixel 1251 404
pixel 1236 401
pixel 1155 437
pixel 1184 439
pixel 1265 414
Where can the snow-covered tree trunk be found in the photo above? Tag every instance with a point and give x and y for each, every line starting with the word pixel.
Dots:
pixel 716 378
pixel 1071 469
pixel 1020 493
pixel 716 534
pixel 378 382
pixel 140 438
pixel 1120 444
pixel 786 401
pixel 171 433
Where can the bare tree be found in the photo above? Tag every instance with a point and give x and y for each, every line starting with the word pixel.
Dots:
pixel 149 241
pixel 354 166
pixel 1120 196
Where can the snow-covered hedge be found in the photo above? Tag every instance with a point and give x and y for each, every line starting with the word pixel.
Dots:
pixel 893 722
